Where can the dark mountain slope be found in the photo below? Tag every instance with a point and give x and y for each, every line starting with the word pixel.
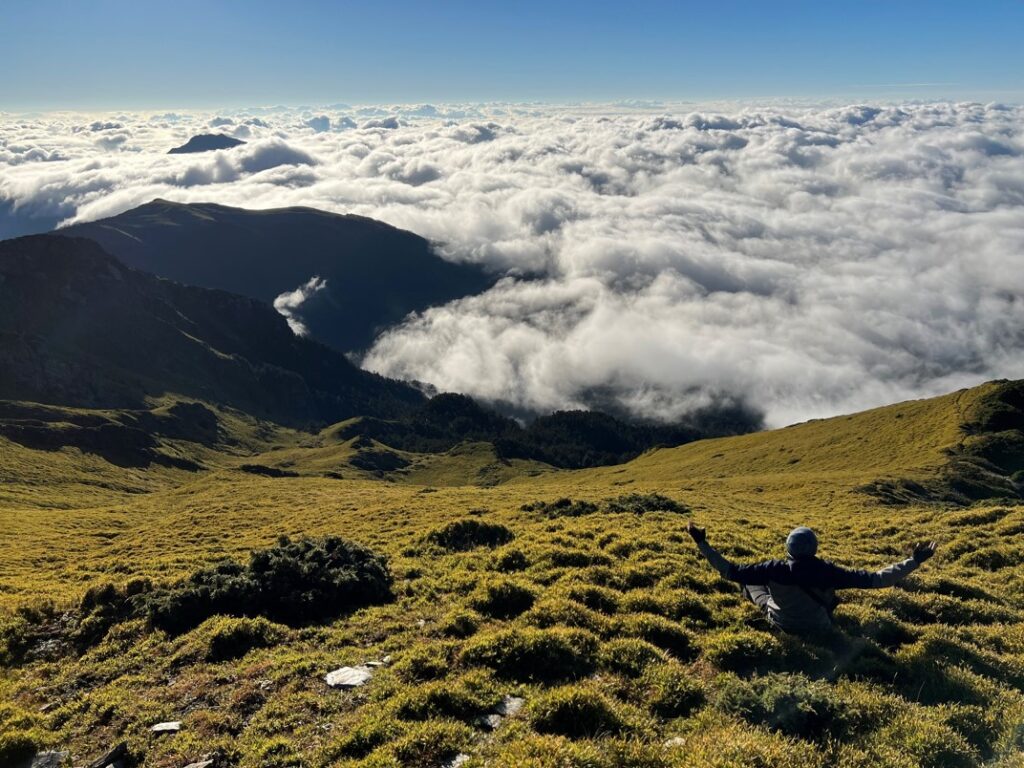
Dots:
pixel 375 274
pixel 78 328
pixel 205 142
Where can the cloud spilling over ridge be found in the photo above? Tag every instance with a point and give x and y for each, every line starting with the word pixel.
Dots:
pixel 806 260
pixel 290 302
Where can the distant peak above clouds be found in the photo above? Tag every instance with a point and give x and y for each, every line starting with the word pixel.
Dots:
pixel 205 142
pixel 805 259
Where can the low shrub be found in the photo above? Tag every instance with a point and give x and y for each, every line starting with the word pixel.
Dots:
pixel 509 560
pixel 534 655
pixel 596 598
pixel 460 623
pixel 563 507
pixel 628 656
pixel 292 583
pixel 464 535
pixel 547 751
pixel 232 638
pixel 670 691
pixel 553 611
pixel 659 631
pixel 789 704
pixel 464 699
pixel 501 599
pixel 741 650
pixel 104 605
pixel 576 712
pixel 641 503
pixel 430 743
pixel 18 746
pixel 428 661
pixel 573 558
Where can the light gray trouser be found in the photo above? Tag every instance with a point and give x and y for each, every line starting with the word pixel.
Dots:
pixel 758 595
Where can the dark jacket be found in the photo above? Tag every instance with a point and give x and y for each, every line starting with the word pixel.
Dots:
pixel 803 591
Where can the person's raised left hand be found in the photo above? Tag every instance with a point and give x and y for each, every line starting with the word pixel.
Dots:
pixel 696 533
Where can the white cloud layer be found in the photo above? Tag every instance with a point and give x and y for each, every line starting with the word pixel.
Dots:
pixel 809 260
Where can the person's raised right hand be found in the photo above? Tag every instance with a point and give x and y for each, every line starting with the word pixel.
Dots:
pixel 923 550
pixel 696 533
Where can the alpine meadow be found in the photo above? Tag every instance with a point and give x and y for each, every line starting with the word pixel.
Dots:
pixel 460 385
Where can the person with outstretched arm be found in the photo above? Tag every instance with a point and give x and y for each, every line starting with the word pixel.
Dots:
pixel 798 594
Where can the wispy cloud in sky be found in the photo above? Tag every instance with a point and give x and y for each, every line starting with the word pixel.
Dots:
pixel 808 260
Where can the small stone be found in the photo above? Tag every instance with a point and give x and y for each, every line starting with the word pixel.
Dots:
pixel 675 741
pixel 421 623
pixel 47 707
pixel 171 726
pixel 349 677
pixel 49 760
pixel 490 722
pixel 374 664
pixel 386 659
pixel 201 764
pixel 458 760
pixel 509 706
pixel 113 757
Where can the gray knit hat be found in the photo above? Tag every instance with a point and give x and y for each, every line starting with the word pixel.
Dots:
pixel 801 543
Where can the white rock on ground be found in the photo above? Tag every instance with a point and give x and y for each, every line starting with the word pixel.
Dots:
pixel 349 677
pixel 171 726
pixel 200 764
pixel 457 760
pixel 676 741
pixel 490 722
pixel 49 760
pixel 509 706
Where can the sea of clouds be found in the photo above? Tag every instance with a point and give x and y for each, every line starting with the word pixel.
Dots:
pixel 803 259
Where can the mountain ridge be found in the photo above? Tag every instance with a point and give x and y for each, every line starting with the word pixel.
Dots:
pixel 373 274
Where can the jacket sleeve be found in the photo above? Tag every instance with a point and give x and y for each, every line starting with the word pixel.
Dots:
pixel 760 573
pixel 847 578
pixel 713 556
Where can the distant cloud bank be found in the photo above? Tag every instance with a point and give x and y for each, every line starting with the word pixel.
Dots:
pixel 804 260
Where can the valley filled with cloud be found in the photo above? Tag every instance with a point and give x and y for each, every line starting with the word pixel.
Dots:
pixel 804 260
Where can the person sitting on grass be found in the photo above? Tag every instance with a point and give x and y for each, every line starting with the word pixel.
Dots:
pixel 798 594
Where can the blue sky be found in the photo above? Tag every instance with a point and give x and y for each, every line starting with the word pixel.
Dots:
pixel 116 54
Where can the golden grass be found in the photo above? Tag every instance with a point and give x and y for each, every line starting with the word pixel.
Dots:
pixel 927 674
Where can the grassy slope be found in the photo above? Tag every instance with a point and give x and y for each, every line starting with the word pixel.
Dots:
pixel 929 674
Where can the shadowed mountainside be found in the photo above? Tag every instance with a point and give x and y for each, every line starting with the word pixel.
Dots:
pixel 375 274
pixel 78 328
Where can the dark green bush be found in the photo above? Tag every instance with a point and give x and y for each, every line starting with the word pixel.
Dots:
pixel 502 599
pixel 641 503
pixel 464 535
pixel 535 655
pixel 292 583
pixel 563 507
pixel 577 712
pixel 104 605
